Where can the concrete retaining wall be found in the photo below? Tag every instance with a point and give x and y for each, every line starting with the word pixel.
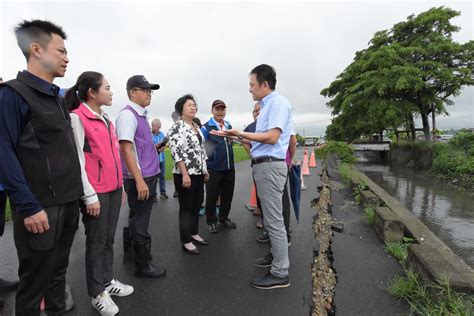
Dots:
pixel 422 159
pixel 428 255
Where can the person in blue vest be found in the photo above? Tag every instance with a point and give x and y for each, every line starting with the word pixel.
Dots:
pixel 160 140
pixel 220 165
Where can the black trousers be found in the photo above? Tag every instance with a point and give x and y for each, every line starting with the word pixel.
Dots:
pixel 3 205
pixel 100 235
pixel 220 183
pixel 44 259
pixel 190 201
pixel 140 211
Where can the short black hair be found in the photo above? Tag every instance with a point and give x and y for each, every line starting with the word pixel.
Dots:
pixel 36 31
pixel 181 101
pixel 264 73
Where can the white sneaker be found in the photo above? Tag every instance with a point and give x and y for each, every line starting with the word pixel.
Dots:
pixel 119 289
pixel 104 304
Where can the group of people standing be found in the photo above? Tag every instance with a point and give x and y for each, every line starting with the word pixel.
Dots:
pixel 61 156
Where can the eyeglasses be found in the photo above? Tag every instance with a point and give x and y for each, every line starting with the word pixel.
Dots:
pixel 148 91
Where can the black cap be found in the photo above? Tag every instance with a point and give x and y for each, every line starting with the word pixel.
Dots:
pixel 139 81
pixel 217 103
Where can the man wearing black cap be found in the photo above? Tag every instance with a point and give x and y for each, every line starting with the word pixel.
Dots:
pixel 140 172
pixel 220 166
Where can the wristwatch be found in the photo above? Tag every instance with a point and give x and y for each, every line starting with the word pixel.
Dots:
pixel 240 137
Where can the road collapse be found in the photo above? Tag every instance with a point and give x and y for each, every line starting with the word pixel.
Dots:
pixel 323 272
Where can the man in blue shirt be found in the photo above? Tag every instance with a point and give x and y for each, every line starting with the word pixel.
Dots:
pixel 269 145
pixel 160 144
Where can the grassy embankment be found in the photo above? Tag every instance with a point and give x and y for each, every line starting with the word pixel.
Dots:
pixel 452 161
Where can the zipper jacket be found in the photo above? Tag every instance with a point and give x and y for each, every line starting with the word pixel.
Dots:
pixel 100 152
pixel 221 154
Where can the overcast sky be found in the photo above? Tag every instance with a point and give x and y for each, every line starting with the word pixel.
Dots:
pixel 208 49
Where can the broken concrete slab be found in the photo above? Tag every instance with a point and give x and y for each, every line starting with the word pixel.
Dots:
pixel 387 225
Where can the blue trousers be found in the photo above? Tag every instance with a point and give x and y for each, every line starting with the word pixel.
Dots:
pixel 161 177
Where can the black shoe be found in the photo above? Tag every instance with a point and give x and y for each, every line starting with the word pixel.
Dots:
pixel 269 281
pixel 202 242
pixel 194 251
pixel 155 199
pixel 8 285
pixel 175 194
pixel 228 224
pixel 163 195
pixel 263 238
pixel 264 262
pixel 213 228
pixel 143 266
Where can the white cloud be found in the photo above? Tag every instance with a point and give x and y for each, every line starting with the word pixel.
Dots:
pixel 208 48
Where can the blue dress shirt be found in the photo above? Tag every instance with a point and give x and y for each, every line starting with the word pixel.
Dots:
pixel 275 112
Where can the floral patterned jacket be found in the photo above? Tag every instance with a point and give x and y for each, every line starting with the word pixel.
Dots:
pixel 185 146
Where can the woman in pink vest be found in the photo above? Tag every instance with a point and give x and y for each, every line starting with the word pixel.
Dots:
pixel 98 152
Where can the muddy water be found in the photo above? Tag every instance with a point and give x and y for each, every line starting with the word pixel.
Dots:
pixel 448 212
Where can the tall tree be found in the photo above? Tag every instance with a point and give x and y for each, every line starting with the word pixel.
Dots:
pixel 409 70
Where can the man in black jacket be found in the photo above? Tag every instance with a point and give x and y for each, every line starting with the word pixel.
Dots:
pixel 39 168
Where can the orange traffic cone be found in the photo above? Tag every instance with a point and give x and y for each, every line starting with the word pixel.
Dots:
pixel 312 161
pixel 252 204
pixel 305 170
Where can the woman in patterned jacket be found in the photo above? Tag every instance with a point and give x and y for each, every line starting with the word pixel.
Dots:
pixel 189 172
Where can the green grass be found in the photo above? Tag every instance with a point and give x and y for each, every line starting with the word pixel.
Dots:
pixel 454 162
pixel 416 145
pixel 398 250
pixel 8 212
pixel 239 155
pixel 345 171
pixel 343 150
pixel 369 214
pixel 362 186
pixel 169 164
pixel 422 302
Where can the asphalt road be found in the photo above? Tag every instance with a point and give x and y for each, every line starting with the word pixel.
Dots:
pixel 216 282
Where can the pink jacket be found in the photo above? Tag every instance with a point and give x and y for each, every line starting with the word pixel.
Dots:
pixel 101 151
